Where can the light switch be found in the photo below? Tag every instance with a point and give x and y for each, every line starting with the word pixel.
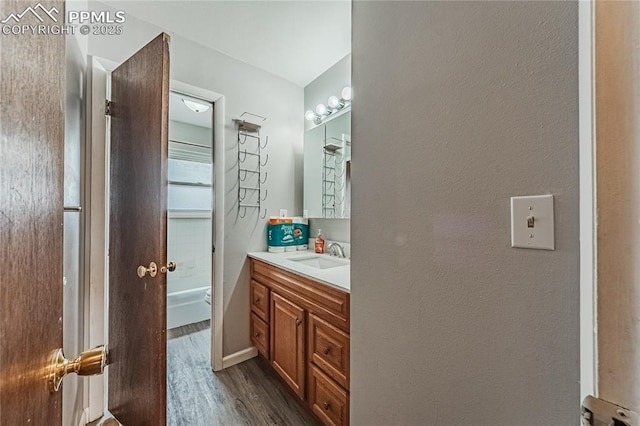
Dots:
pixel 532 222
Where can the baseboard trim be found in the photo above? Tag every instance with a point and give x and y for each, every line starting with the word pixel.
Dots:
pixel 238 357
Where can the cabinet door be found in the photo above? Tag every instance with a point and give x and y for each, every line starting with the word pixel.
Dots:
pixel 287 342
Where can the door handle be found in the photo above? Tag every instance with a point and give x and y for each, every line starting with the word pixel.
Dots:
pixel 152 270
pixel 171 266
pixel 88 363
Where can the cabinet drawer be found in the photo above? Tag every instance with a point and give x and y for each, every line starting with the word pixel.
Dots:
pixel 328 401
pixel 260 335
pixel 329 350
pixel 260 300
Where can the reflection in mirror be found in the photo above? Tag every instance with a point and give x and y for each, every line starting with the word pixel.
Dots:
pixel 327 168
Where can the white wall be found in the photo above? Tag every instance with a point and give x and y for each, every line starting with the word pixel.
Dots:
pixel 463 105
pixel 318 91
pixel 245 88
pixel 185 132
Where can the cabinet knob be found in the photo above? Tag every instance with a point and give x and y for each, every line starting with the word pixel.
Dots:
pixel 326 350
pixel 257 300
pixel 298 321
pixel 256 334
pixel 326 405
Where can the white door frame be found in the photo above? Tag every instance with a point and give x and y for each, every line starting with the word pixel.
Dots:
pixel 587 182
pixel 96 209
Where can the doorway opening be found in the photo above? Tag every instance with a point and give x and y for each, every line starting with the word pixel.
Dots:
pixel 190 218
pixel 190 210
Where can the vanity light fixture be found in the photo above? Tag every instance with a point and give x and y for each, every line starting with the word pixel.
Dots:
pixel 310 115
pixel 334 104
pixel 321 109
pixel 346 93
pixel 196 106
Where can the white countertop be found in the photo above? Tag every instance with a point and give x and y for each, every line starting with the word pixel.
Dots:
pixel 339 277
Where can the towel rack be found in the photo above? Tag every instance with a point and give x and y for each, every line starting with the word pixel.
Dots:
pixel 251 161
pixel 333 178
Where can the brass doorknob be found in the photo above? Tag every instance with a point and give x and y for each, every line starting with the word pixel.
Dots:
pixel 326 350
pixel 171 266
pixel 152 270
pixel 88 363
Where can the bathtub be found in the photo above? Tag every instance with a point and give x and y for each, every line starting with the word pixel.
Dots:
pixel 186 307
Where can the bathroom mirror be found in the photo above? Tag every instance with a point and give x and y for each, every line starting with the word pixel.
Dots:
pixel 327 168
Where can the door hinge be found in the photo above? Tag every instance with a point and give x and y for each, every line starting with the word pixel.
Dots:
pixel 598 412
pixel 108 107
pixel 214 249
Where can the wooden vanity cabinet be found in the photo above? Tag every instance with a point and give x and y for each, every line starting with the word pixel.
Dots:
pixel 307 324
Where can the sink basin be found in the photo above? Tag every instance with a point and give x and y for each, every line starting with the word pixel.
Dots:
pixel 320 262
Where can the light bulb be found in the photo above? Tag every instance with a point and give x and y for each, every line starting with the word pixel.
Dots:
pixel 346 93
pixel 309 115
pixel 321 109
pixel 333 102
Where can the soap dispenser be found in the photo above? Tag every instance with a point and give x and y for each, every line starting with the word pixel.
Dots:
pixel 319 243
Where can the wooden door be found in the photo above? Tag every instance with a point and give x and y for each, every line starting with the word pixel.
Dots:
pixel 138 236
pixel 287 342
pixel 32 102
pixel 617 102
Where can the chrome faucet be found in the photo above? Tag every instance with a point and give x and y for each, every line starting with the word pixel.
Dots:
pixel 336 249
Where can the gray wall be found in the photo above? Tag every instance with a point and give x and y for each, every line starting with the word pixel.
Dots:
pixel 463 105
pixel 245 88
pixel 318 91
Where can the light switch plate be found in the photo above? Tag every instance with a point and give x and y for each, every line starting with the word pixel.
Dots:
pixel 534 210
